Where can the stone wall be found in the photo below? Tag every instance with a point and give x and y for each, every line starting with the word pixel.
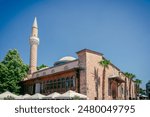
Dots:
pixel 91 77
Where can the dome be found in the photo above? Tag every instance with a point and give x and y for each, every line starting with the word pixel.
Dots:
pixel 67 58
pixel 64 60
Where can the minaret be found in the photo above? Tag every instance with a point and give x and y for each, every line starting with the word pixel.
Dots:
pixel 34 42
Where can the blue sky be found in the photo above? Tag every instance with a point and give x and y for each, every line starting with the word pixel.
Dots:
pixel 120 29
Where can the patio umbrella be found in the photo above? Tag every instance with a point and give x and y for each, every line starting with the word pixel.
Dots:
pixel 37 96
pixel 8 94
pixel 52 96
pixel 26 96
pixel 145 96
pixel 70 95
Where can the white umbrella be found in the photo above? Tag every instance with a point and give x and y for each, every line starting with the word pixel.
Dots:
pixel 52 96
pixel 8 94
pixel 71 94
pixel 26 96
pixel 144 96
pixel 37 96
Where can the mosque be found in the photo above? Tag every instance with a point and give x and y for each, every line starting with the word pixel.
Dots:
pixel 82 74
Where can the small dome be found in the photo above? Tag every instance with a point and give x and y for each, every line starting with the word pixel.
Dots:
pixel 64 60
pixel 67 58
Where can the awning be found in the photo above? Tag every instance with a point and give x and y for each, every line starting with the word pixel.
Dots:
pixel 116 78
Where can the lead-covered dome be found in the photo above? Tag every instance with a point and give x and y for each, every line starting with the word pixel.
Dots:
pixel 64 60
pixel 67 58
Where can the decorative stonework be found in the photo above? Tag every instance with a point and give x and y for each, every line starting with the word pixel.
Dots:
pixel 34 40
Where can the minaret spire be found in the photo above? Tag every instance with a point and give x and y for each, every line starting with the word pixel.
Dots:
pixel 35 23
pixel 34 42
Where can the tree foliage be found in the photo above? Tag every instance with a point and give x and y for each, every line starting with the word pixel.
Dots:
pixel 12 71
pixel 142 91
pixel 138 82
pixel 105 64
pixel 131 77
pixel 41 66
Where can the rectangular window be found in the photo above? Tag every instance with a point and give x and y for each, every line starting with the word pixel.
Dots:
pixel 63 82
pixel 74 82
pixel 41 87
pixel 67 83
pixel 55 84
pixel 44 87
pixel 71 82
pixel 51 85
pixel 59 83
pixel 47 85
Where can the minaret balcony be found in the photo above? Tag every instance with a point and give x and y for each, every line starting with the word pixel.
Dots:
pixel 34 40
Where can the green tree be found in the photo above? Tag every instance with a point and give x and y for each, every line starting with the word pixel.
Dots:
pixel 3 77
pixel 105 64
pixel 138 82
pixel 12 71
pixel 131 77
pixel 41 66
pixel 142 91
pixel 125 87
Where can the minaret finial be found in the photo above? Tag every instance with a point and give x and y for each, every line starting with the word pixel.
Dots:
pixel 35 23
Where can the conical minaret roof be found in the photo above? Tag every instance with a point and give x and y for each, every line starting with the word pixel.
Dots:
pixel 35 23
